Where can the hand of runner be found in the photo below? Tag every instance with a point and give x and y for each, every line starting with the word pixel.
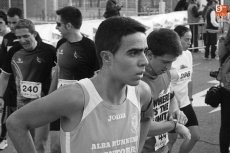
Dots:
pixel 180 116
pixel 183 131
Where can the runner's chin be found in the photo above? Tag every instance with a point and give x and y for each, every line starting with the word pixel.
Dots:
pixel 136 80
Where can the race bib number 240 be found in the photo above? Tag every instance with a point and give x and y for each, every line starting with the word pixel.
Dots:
pixel 30 89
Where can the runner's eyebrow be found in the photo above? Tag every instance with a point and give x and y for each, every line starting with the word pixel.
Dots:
pixel 137 49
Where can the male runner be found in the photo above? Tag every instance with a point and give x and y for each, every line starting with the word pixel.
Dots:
pixel 3 31
pixel 164 47
pixel 76 58
pixel 106 113
pixel 3 26
pixel 9 40
pixel 30 62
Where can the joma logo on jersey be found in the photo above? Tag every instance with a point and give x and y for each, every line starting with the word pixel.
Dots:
pixel 116 117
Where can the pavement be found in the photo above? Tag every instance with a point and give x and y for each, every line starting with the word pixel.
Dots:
pixel 208 117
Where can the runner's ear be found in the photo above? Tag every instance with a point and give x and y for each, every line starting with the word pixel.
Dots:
pixel 68 25
pixel 106 56
pixel 149 54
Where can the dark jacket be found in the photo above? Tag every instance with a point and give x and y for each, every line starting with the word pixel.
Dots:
pixel 112 9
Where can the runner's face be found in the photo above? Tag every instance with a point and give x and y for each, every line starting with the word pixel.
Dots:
pixel 61 26
pixel 26 39
pixel 128 63
pixel 160 64
pixel 186 40
pixel 3 26
pixel 12 21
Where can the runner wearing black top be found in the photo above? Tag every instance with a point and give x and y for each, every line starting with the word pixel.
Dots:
pixel 30 62
pixel 9 40
pixel 76 58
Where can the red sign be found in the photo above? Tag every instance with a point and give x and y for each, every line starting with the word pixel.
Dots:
pixel 221 10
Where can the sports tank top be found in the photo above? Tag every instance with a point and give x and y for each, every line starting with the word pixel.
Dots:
pixel 161 96
pixel 104 128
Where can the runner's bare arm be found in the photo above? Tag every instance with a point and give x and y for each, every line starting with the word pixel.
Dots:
pixel 173 105
pixel 190 88
pixel 67 103
pixel 54 82
pixel 176 113
pixel 4 78
pixel 158 128
pixel 146 112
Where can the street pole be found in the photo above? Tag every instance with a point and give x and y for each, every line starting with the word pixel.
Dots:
pixel 9 3
pixel 70 3
pixel 45 11
pixel 126 7
pixel 55 4
pixel 24 9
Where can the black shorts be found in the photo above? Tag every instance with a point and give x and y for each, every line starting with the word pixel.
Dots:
pixel 55 126
pixel 189 112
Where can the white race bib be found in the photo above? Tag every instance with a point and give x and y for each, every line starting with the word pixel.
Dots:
pixel 184 74
pixel 30 89
pixel 63 82
pixel 161 141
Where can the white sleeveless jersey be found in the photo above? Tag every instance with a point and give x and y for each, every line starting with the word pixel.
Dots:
pixel 105 128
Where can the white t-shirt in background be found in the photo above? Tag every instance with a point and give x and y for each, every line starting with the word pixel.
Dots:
pixel 181 75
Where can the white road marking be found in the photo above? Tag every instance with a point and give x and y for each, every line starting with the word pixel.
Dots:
pixel 196 64
pixel 198 99
pixel 214 82
pixel 215 110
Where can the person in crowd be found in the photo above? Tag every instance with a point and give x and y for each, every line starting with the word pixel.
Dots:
pixel 163 48
pixel 30 63
pixel 223 77
pixel 112 8
pixel 3 26
pixel 204 15
pixel 181 73
pixel 9 40
pixel 193 21
pixel 3 31
pixel 206 8
pixel 212 28
pixel 97 113
pixel 76 58
pixel 181 5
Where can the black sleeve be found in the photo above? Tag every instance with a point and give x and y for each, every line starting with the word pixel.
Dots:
pixel 38 37
pixel 54 56
pixel 94 58
pixel 53 59
pixel 7 61
pixel 90 48
pixel 3 51
pixel 60 42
